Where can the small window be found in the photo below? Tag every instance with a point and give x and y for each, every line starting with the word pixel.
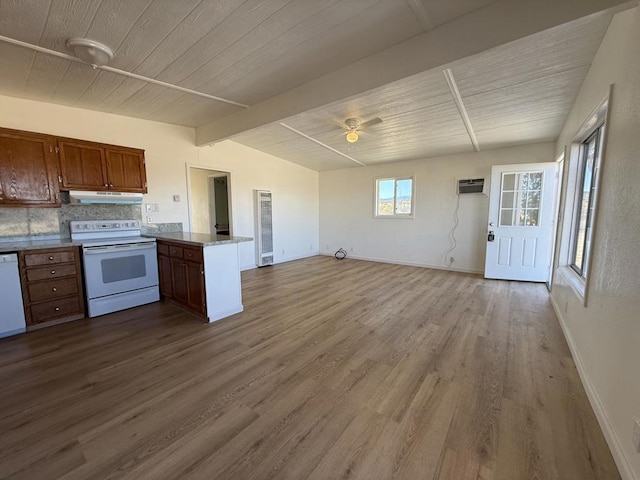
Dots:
pixel 394 197
pixel 585 202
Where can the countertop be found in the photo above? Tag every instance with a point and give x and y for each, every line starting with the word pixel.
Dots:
pixel 199 239
pixel 19 245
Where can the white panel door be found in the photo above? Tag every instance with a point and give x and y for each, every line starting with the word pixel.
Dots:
pixel 519 237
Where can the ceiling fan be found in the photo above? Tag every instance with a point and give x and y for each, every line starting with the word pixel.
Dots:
pixel 353 127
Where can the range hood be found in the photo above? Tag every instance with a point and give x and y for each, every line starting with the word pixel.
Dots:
pixel 78 197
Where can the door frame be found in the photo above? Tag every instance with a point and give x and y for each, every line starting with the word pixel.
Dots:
pixel 212 199
pixel 557 216
pixel 212 172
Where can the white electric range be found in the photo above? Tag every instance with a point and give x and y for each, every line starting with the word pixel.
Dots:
pixel 120 266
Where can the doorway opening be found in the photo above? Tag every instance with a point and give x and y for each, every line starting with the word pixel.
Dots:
pixel 210 201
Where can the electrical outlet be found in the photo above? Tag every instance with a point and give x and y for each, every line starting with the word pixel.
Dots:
pixel 351 249
pixel 176 198
pixel 149 219
pixel 451 259
pixel 636 435
pixel 283 252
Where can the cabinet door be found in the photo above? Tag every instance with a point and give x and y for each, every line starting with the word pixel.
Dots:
pixel 164 268
pixel 179 280
pixel 28 170
pixel 126 170
pixel 195 286
pixel 82 165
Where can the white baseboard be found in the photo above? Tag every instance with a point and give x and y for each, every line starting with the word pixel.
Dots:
pixel 410 264
pixel 282 260
pixel 610 435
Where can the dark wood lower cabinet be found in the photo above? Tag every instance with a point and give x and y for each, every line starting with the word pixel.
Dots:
pixel 51 286
pixel 181 270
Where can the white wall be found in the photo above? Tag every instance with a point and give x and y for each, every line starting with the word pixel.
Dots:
pixel 199 200
pixel 169 149
pixel 295 198
pixel 605 335
pixel 347 200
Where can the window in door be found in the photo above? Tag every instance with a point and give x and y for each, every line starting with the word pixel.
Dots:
pixel 520 199
pixel 394 197
pixel 585 202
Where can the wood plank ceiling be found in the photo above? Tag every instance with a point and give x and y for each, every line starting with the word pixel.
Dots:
pixel 251 50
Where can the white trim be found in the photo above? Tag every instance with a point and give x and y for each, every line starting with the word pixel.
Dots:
pixel 288 259
pixel 464 115
pixel 577 283
pixel 626 472
pixel 318 142
pixel 600 116
pixel 409 264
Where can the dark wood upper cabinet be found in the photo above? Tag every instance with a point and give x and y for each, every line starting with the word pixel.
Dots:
pixel 126 170
pixel 95 166
pixel 28 170
pixel 82 165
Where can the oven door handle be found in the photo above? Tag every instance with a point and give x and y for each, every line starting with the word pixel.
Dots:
pixel 128 247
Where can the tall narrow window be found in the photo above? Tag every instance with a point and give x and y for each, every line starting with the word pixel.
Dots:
pixel 394 197
pixel 585 198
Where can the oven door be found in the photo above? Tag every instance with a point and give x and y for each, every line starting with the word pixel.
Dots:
pixel 112 269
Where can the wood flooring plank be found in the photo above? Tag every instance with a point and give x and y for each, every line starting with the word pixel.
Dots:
pixel 335 369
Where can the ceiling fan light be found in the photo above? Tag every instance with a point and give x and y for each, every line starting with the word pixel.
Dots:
pixel 94 53
pixel 352 136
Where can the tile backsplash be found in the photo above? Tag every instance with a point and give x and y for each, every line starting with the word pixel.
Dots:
pixel 54 222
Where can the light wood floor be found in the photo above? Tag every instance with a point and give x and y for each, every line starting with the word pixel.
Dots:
pixel 336 369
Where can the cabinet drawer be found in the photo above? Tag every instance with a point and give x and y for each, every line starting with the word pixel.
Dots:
pixel 48 258
pixel 54 271
pixel 43 312
pixel 175 251
pixel 52 289
pixel 163 249
pixel 193 254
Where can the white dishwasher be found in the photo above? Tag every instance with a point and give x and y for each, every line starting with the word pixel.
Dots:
pixel 11 308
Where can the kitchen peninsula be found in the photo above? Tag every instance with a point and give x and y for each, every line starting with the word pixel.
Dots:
pixel 201 272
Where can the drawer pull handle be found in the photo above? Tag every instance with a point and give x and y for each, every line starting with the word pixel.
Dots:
pixel 57 309
pixel 50 257
pixel 54 289
pixel 53 272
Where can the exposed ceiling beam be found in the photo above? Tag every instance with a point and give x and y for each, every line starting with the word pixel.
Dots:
pixel 318 142
pixel 498 23
pixel 125 73
pixel 457 98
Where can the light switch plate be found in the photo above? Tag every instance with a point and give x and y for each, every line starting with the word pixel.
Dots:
pixel 176 198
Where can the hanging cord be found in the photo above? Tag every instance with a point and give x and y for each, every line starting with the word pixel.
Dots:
pixel 340 254
pixel 452 234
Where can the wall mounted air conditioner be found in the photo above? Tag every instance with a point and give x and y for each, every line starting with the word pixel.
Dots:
pixel 264 230
pixel 467 186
